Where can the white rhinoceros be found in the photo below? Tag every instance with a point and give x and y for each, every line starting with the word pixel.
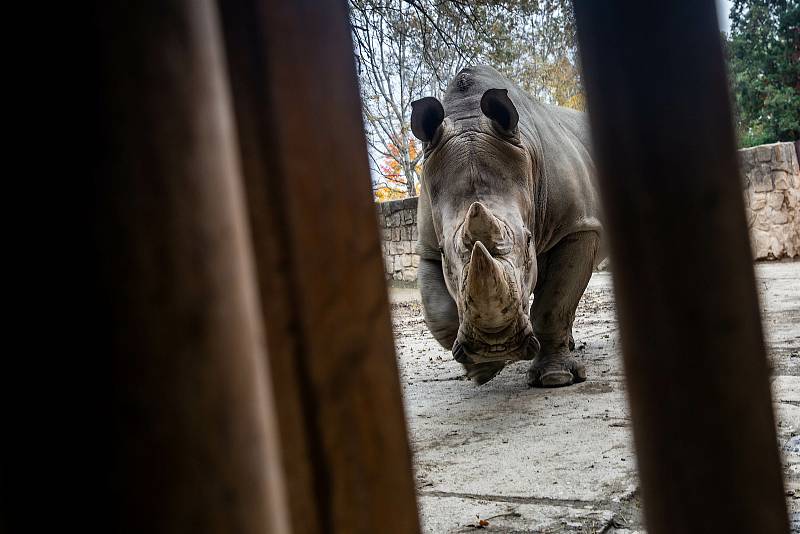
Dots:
pixel 508 209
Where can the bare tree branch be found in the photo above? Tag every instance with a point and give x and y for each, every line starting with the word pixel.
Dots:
pixel 406 49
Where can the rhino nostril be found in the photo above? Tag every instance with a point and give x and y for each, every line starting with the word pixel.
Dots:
pixel 533 347
pixel 458 352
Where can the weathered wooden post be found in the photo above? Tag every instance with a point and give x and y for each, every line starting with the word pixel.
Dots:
pixel 190 433
pixel 319 266
pixel 683 275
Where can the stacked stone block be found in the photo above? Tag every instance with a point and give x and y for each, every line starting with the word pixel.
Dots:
pixel 771 181
pixel 397 220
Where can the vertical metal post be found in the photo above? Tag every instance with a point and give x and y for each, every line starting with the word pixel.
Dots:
pixel 691 333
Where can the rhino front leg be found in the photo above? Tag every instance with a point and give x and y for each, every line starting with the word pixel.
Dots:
pixel 441 317
pixel 438 307
pixel 568 268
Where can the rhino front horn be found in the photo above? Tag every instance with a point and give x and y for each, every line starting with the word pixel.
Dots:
pixel 481 225
pixel 489 303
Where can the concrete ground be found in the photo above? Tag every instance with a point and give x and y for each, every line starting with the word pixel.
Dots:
pixel 559 460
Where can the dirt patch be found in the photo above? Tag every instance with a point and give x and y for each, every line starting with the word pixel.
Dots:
pixel 595 388
pixel 557 460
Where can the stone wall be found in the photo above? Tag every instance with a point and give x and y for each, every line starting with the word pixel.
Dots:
pixel 398 223
pixel 771 181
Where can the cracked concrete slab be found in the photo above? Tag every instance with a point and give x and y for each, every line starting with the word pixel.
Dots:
pixel 558 460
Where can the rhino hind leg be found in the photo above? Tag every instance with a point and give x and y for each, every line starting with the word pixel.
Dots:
pixel 568 268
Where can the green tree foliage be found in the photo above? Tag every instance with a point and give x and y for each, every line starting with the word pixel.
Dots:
pixel 764 55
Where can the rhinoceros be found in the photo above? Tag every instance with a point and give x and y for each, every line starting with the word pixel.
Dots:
pixel 508 210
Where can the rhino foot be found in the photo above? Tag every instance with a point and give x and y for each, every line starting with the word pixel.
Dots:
pixel 483 372
pixel 555 370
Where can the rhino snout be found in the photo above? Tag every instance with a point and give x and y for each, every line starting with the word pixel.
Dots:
pixel 517 343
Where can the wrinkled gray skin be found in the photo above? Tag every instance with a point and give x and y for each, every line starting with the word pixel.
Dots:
pixel 508 209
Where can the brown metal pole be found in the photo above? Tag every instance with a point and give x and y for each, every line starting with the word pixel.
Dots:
pixel 192 440
pixel 694 354
pixel 319 266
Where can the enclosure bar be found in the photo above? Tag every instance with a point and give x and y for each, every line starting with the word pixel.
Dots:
pixel 243 34
pixel 696 369
pixel 192 445
pixel 319 266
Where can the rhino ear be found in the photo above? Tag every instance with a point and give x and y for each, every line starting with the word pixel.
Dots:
pixel 496 105
pixel 427 115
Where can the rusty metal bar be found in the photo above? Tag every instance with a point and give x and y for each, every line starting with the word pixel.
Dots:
pixel 319 266
pixel 691 333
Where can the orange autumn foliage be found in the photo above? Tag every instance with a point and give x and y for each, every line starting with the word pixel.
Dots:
pixel 384 193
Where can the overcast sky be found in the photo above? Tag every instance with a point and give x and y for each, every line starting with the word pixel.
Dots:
pixel 723 8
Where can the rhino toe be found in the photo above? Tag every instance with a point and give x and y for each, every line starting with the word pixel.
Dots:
pixel 556 371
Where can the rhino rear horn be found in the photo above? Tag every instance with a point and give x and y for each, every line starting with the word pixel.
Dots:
pixel 490 303
pixel 496 105
pixel 481 225
pixel 427 115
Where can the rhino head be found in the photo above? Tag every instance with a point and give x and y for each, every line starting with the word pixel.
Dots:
pixel 479 178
